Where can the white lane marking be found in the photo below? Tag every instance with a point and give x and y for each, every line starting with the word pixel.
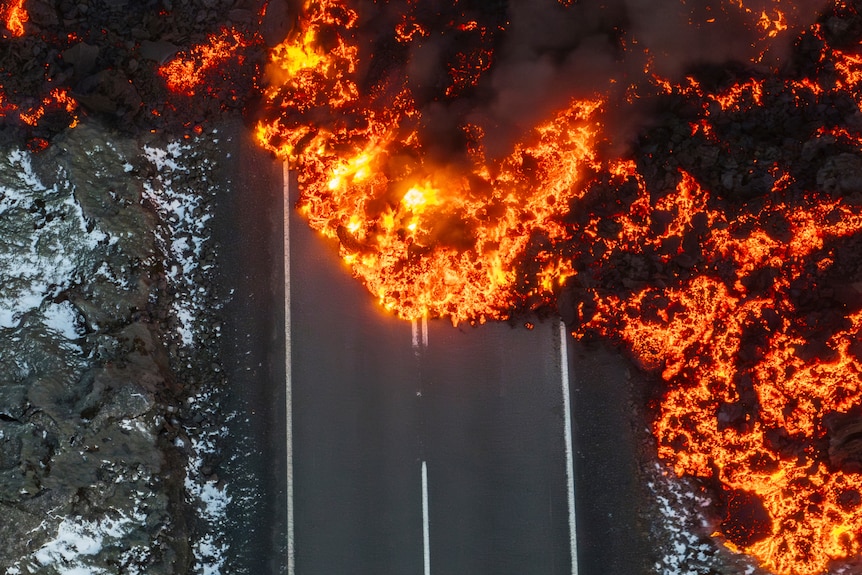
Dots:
pixel 426 531
pixel 570 460
pixel 419 332
pixel 291 552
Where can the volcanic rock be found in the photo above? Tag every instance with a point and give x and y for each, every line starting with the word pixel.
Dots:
pixel 845 443
pixel 82 57
pixel 841 175
pixel 42 13
pixel 746 520
pixel 279 19
pixel 109 92
pixel 159 50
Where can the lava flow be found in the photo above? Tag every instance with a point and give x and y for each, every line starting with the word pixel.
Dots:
pixel 15 15
pixel 722 252
pixel 189 72
pixel 426 239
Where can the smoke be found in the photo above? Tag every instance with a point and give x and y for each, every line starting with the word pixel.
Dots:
pixel 545 53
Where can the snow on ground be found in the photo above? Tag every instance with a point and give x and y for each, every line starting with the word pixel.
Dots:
pixel 212 500
pixel 77 539
pixel 47 246
pixel 74 547
pixel 37 264
pixel 179 192
pixel 64 320
pixel 683 530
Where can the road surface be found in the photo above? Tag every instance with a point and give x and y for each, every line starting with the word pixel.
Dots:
pixel 376 400
pixel 413 448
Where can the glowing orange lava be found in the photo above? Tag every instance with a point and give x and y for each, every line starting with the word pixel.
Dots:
pixel 755 375
pixel 15 15
pixel 59 99
pixel 730 401
pixel 188 71
pixel 753 378
pixel 425 239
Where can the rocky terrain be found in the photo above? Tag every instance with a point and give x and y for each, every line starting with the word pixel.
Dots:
pixel 109 317
pixel 104 351
pixel 110 385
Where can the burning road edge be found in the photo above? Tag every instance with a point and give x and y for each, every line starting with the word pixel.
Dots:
pixel 465 160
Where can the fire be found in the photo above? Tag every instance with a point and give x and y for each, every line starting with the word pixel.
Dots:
pixel 729 405
pixel 433 241
pixel 425 239
pixel 15 16
pixel 756 381
pixel 187 72
pixel 711 280
pixel 756 378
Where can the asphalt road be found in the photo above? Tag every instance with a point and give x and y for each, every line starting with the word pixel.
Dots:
pixel 418 448
pixel 608 429
pixel 248 226
pixel 374 398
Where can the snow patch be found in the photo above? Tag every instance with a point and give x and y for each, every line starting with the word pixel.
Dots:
pixel 45 254
pixel 77 540
pixel 63 318
pixel 178 192
pixel 686 547
pixel 184 232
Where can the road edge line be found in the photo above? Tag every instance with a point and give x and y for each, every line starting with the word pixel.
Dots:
pixel 570 458
pixel 288 391
pixel 426 527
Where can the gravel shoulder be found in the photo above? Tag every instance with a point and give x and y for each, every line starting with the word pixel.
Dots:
pixel 248 227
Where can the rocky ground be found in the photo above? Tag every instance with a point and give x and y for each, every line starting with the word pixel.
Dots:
pixel 109 395
pixel 109 316
pixel 108 353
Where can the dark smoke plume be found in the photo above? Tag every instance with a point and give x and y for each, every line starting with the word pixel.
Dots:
pixel 546 52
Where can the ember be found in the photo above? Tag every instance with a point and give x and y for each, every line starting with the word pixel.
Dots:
pixel 469 175
pixel 15 16
pixel 728 287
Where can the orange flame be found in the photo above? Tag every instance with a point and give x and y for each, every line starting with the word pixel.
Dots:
pixel 748 395
pixel 188 71
pixel 15 16
pixel 426 240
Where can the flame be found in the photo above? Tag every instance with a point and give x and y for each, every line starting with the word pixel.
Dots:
pixel 15 16
pixel 753 377
pixel 713 301
pixel 189 70
pixel 723 417
pixel 425 239
pixel 712 306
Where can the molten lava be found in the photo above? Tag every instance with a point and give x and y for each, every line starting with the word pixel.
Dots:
pixel 742 382
pixel 58 99
pixel 425 239
pixel 15 15
pixel 715 282
pixel 190 70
